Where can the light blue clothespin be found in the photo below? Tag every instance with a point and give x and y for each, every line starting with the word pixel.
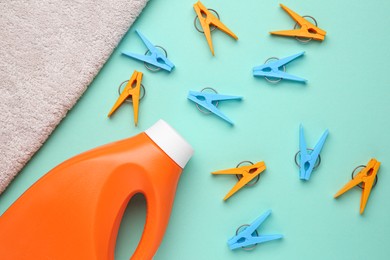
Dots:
pixel 208 101
pixel 249 236
pixel 272 69
pixel 155 58
pixel 308 160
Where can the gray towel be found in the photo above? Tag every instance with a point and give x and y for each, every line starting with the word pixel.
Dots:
pixel 50 51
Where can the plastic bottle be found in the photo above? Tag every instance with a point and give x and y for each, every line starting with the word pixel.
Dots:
pixel 75 210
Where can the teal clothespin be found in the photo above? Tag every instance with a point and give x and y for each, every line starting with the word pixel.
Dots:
pixel 272 69
pixel 156 57
pixel 209 100
pixel 249 236
pixel 308 159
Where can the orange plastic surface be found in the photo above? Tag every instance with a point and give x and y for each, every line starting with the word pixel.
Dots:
pixel 367 176
pixel 133 90
pixel 248 173
pixel 206 18
pixel 74 211
pixel 307 29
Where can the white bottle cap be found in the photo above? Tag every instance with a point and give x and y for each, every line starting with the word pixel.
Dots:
pixel 171 142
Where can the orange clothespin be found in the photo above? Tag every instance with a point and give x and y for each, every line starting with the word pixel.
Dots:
pixel 367 175
pixel 206 18
pixel 133 90
pixel 307 30
pixel 248 173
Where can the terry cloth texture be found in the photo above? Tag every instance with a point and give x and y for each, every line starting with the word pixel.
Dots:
pixel 50 51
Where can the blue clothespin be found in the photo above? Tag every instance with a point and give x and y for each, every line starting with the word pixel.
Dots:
pixel 155 58
pixel 208 101
pixel 308 160
pixel 272 69
pixel 249 235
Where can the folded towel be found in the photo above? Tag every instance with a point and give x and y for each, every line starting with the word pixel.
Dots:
pixel 50 51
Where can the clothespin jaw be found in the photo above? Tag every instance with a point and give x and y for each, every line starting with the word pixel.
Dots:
pixel 248 172
pixel 247 237
pixel 308 160
pixel 307 30
pixel 208 100
pixel 206 18
pixel 367 175
pixel 272 69
pixel 156 58
pixel 132 89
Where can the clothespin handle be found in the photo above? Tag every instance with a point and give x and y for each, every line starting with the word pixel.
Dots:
pixel 156 57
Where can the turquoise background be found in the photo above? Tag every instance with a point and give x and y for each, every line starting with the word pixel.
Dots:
pixel 347 92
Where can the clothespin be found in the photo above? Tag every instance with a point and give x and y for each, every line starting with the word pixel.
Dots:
pixel 209 101
pixel 156 57
pixel 367 176
pixel 307 30
pixel 247 173
pixel 206 18
pixel 132 89
pixel 249 236
pixel 308 160
pixel 272 69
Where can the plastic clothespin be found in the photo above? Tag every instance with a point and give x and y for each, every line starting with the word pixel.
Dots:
pixel 307 30
pixel 206 18
pixel 155 58
pixel 208 100
pixel 132 89
pixel 248 173
pixel 272 69
pixel 308 160
pixel 367 176
pixel 249 236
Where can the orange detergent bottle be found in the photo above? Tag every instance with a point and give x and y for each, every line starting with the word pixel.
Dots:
pixel 74 211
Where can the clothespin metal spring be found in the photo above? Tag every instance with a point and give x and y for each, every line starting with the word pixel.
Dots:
pixel 252 182
pixel 304 39
pixel 318 162
pixel 361 185
pixel 205 111
pixel 143 91
pixel 239 229
pixel 212 27
pixel 152 67
pixel 278 79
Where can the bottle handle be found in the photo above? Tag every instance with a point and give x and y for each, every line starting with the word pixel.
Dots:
pixel 158 210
